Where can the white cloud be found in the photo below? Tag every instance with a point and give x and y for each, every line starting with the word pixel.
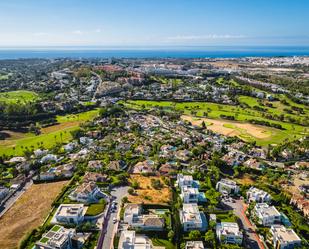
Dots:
pixel 204 37
pixel 98 31
pixel 41 34
pixel 78 32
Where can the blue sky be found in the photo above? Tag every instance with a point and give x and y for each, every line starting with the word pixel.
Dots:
pixel 153 22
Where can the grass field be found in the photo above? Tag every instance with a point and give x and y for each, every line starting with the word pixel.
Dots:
pixel 213 111
pixel 16 144
pixel 18 97
pixel 147 194
pixel 28 212
pixel 95 209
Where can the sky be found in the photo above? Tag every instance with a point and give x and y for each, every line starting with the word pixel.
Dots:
pixel 146 23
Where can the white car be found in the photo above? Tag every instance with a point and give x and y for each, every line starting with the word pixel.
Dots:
pixel 114 220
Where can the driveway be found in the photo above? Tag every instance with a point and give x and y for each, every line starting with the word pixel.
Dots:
pixel 109 228
pixel 252 239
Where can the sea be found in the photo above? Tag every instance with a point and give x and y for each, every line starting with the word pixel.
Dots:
pixel 157 52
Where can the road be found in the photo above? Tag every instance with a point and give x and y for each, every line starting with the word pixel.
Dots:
pixel 109 227
pixel 252 239
pixel 14 198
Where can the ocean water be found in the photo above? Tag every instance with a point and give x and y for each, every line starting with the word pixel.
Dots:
pixel 185 52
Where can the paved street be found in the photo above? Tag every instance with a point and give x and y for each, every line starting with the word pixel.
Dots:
pixel 109 228
pixel 252 240
pixel 14 198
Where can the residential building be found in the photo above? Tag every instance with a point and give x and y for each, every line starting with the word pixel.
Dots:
pixel 129 240
pixel 186 180
pixel 227 187
pixel 257 195
pixel 284 238
pixel 267 215
pixel 3 192
pixel 228 232
pixel 189 194
pixel 146 166
pixel 150 222
pixel 87 192
pixel 301 203
pixel 194 245
pixel 191 218
pixel 57 237
pixel 70 214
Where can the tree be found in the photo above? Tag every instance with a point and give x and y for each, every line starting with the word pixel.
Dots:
pixel 131 191
pixel 170 235
pixel 210 238
pixel 194 235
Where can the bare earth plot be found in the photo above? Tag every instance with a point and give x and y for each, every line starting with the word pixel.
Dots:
pixel 27 213
pixel 147 194
pixel 230 128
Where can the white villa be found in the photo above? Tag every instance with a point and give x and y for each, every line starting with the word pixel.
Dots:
pixel 284 238
pixel 69 214
pixel 189 194
pixel 133 216
pixel 189 189
pixel 129 240
pixel 186 180
pixel 191 218
pixel 228 232
pixel 267 215
pixel 87 192
pixel 257 195
pixel 227 187
pixel 194 245
pixel 57 237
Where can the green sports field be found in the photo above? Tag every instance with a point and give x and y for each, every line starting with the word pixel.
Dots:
pixel 60 133
pixel 213 111
pixel 18 97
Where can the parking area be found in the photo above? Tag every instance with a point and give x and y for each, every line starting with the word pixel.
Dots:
pixel 251 238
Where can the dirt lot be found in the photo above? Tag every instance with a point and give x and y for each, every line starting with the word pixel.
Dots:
pixel 245 180
pixel 61 126
pixel 230 128
pixel 27 213
pixel 147 194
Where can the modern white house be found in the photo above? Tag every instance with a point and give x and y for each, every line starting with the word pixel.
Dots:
pixel 87 192
pixel 69 214
pixel 189 194
pixel 186 180
pixel 227 187
pixel 57 237
pixel 228 232
pixel 267 215
pixel 194 245
pixel 149 222
pixel 191 218
pixel 284 238
pixel 129 240
pixel 257 195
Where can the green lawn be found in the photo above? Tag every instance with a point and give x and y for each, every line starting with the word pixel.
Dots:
pixel 213 110
pixel 18 97
pixel 82 117
pixel 162 242
pixel 95 209
pixel 56 134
